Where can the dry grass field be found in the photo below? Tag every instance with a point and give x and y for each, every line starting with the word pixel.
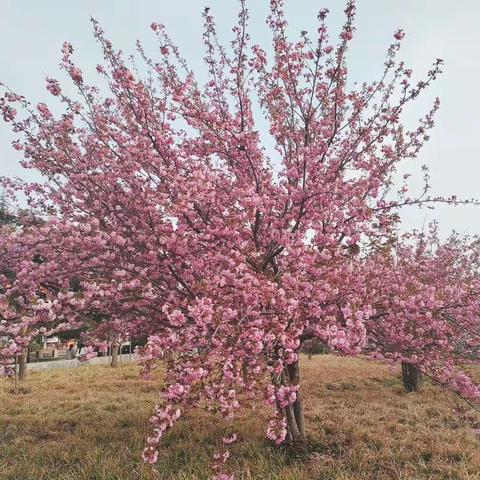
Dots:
pixel 89 424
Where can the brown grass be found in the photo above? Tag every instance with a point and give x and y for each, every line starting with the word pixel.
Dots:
pixel 89 424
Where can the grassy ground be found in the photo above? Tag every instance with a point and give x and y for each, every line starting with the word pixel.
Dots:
pixel 89 424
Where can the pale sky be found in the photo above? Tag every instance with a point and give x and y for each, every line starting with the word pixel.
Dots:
pixel 32 32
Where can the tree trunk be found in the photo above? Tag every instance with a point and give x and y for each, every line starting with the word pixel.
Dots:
pixel 22 364
pixel 294 412
pixel 410 377
pixel 15 376
pixel 114 361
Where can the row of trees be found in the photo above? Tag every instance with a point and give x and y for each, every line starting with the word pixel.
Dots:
pixel 23 305
pixel 167 218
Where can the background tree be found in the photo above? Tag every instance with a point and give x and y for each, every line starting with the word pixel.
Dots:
pixel 7 217
pixel 428 295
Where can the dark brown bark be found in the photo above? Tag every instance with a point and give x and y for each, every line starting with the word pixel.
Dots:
pixel 244 373
pixel 22 364
pixel 410 377
pixel 294 412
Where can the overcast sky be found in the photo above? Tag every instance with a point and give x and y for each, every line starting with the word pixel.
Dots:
pixel 32 31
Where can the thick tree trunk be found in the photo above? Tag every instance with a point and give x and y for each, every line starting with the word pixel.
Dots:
pixel 114 361
pixel 22 365
pixel 294 412
pixel 244 374
pixel 410 377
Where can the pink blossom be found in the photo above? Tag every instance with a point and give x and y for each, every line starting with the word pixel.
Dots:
pixel 346 35
pixel 232 438
pixel 44 111
pixel 76 74
pixel 150 455
pixel 53 86
pixel 67 48
pixel 277 430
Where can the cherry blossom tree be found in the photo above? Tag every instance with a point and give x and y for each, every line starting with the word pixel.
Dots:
pixel 26 311
pixel 180 223
pixel 428 304
pixel 55 277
